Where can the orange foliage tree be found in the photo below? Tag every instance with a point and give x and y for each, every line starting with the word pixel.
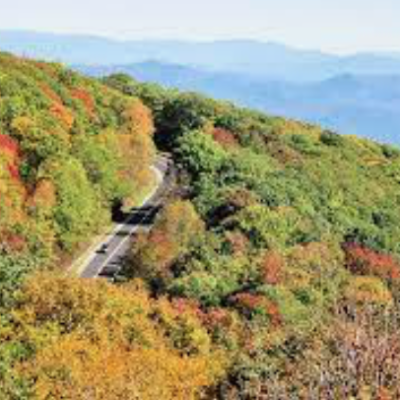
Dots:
pixel 12 192
pixel 138 119
pixel 65 116
pixel 94 340
pixel 272 267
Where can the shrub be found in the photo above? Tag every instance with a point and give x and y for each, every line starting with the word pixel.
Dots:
pixel 330 138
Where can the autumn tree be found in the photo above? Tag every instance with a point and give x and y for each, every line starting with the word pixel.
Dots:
pixel 175 229
pixel 78 211
pixel 364 261
pixel 12 192
pixel 94 339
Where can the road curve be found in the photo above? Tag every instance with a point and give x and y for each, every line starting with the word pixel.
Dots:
pixel 106 264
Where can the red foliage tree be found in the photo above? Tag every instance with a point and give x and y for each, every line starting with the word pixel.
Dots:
pixel 14 171
pixel 12 196
pixel 86 98
pixel 8 145
pixel 250 304
pixel 362 260
pixel 224 137
pixel 9 149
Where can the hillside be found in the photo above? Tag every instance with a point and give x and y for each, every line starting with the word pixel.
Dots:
pixel 272 271
pixel 291 257
pixel 364 105
pixel 72 151
pixel 64 135
pixel 66 149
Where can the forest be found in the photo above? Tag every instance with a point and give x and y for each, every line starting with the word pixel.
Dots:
pixel 272 271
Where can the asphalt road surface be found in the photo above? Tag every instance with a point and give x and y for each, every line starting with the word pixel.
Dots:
pixel 106 260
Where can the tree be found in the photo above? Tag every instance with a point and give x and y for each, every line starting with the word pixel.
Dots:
pixel 106 342
pixel 138 119
pixel 176 228
pixel 100 156
pixel 43 199
pixel 78 212
pixel 364 261
pixel 366 290
pixel 12 191
pixel 199 153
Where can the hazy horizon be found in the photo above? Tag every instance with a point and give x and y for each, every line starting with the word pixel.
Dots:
pixel 343 27
pixel 390 52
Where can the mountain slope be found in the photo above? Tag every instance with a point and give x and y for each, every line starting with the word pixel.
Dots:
pixel 65 143
pixel 274 262
pixel 297 265
pixel 71 150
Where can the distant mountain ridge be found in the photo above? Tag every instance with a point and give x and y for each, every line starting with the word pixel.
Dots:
pixel 366 105
pixel 260 59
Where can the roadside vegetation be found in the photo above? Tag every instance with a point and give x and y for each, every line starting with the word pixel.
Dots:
pixel 273 272
pixel 285 243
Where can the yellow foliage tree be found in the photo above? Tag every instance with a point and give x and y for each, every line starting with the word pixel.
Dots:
pixel 98 341
pixel 366 290
pixel 44 197
pixel 138 119
pixel 136 146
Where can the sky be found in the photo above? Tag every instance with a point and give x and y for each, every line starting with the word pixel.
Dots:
pixel 339 26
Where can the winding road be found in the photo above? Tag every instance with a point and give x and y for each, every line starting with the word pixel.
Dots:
pixel 106 260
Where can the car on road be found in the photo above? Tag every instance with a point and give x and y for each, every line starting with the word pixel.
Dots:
pixel 103 249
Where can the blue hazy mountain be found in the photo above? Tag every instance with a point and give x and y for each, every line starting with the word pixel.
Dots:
pixel 366 105
pixel 259 59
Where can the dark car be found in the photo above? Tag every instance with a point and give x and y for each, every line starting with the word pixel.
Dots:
pixel 103 249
